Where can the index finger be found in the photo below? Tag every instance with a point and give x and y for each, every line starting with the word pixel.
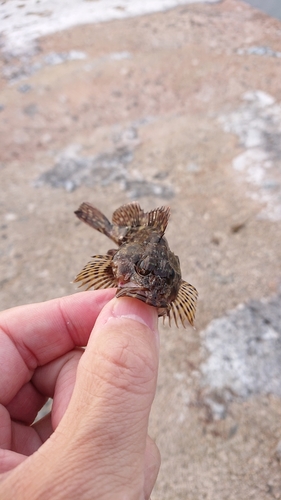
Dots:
pixel 36 334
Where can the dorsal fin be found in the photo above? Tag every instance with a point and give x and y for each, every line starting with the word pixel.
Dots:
pixel 129 215
pixel 157 218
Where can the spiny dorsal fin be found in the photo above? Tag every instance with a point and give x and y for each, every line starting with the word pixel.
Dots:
pixel 128 215
pixel 157 218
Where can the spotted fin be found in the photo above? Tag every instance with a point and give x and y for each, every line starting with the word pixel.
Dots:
pixel 96 219
pixel 184 306
pixel 97 273
pixel 129 215
pixel 157 218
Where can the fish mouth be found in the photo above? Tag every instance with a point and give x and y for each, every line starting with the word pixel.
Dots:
pixel 133 290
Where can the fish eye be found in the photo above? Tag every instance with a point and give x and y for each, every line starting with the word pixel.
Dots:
pixel 170 275
pixel 141 269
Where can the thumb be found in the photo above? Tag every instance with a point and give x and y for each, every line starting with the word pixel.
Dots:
pixel 115 387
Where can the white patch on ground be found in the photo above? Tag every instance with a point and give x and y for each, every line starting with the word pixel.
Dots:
pixel 54 58
pixel 17 72
pixel 257 124
pixel 259 50
pixel 23 22
pixel 244 351
pixel 73 169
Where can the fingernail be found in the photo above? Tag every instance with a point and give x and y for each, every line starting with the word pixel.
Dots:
pixel 125 307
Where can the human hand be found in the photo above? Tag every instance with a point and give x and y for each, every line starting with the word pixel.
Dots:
pixel 94 444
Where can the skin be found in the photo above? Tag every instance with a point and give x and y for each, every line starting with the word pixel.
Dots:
pixel 95 442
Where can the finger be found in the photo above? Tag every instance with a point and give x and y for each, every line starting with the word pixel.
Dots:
pixel 9 460
pixel 44 427
pixel 99 445
pixel 56 380
pixel 36 334
pixel 17 437
pixel 26 404
pixel 115 387
pixel 152 466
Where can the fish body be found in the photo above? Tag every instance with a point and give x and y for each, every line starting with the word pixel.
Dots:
pixel 143 266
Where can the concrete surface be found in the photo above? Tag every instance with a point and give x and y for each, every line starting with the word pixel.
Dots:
pixel 180 107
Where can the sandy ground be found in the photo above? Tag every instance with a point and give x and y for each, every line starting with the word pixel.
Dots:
pixel 181 107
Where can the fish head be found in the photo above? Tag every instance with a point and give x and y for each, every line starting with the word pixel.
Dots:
pixel 152 276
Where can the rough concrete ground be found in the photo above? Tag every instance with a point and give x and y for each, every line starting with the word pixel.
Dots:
pixel 181 108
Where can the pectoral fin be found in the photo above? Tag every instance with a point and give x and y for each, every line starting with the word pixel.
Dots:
pixel 97 273
pixel 184 305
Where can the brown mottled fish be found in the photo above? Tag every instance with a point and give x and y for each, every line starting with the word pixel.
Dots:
pixel 143 266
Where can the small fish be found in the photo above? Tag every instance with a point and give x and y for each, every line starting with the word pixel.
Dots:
pixel 143 266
